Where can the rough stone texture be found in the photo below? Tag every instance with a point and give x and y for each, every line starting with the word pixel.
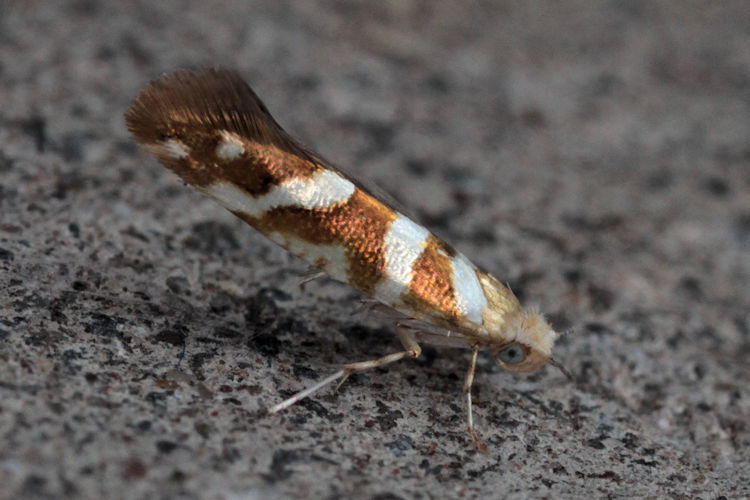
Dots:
pixel 596 155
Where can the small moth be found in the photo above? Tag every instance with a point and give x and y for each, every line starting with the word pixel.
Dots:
pixel 211 129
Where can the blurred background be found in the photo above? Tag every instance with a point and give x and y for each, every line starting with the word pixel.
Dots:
pixel 594 155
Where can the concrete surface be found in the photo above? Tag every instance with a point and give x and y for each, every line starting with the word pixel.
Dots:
pixel 596 155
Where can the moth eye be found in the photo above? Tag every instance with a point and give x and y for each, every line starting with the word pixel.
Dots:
pixel 512 355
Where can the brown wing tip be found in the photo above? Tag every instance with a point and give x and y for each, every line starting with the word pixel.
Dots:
pixel 208 99
pixel 149 111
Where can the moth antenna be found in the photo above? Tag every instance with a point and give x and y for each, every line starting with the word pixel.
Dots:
pixel 560 367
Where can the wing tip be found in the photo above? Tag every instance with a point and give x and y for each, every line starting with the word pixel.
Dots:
pixel 207 98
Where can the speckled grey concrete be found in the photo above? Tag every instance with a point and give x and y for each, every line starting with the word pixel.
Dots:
pixel 594 155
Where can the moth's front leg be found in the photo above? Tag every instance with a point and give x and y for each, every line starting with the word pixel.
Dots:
pixel 467 389
pixel 411 350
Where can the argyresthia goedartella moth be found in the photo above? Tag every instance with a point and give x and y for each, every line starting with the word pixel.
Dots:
pixel 211 129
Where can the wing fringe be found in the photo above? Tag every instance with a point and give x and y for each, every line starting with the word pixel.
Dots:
pixel 205 100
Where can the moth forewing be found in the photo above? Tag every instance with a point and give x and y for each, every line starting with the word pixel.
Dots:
pixel 213 131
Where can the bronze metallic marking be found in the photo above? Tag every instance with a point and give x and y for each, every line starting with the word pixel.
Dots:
pixel 431 287
pixel 359 226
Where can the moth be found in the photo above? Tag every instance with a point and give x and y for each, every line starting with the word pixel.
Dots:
pixel 213 131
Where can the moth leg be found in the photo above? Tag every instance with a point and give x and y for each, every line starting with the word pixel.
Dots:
pixel 304 393
pixel 467 389
pixel 411 350
pixel 406 335
pixel 372 307
pixel 312 274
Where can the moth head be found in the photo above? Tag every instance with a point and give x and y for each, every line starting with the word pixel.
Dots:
pixel 531 347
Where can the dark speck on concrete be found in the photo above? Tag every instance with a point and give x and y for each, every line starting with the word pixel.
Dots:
pixel 178 285
pixel 196 363
pixel 267 345
pixel 175 336
pixel 387 496
pixel 34 486
pixel 400 445
pixel 144 425
pixel 6 254
pixel 134 469
pixel 387 417
pixel 301 371
pixel 157 398
pixel 203 429
pixel 742 228
pixel 227 333
pixel 717 187
pixel 36 127
pixel 165 446
pixel 263 308
pixel 595 443
pixel 315 407
pixel 281 460
pixel 75 229
pixel 221 303
pixel 79 286
pixel 212 238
